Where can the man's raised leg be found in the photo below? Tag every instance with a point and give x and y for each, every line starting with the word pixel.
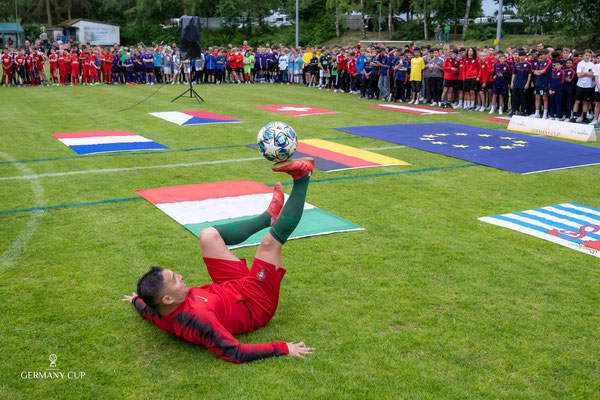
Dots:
pixel 214 240
pixel 270 247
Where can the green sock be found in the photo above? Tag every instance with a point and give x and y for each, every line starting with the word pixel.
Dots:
pixel 237 232
pixel 292 211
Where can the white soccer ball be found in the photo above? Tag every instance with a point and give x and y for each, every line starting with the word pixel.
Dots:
pixel 277 141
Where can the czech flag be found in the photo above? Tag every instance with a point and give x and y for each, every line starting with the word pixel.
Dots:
pixel 184 118
pixel 203 205
pixel 106 142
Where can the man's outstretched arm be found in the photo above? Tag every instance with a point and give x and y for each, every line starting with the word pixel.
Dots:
pixel 210 333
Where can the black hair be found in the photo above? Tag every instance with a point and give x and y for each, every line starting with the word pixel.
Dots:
pixel 558 62
pixel 462 49
pixel 555 54
pixel 455 51
pixel 150 285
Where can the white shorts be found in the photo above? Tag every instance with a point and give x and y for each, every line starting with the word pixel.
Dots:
pixel 167 70
pixel 186 69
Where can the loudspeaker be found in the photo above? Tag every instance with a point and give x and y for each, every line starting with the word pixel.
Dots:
pixel 190 37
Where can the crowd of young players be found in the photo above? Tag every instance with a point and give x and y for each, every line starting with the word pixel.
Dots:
pixel 543 82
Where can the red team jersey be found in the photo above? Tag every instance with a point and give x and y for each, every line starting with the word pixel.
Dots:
pixel 471 68
pixel 20 59
pixel 6 61
pixel 461 69
pixel 449 63
pixel 238 301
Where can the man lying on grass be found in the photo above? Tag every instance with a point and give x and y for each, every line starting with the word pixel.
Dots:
pixel 239 301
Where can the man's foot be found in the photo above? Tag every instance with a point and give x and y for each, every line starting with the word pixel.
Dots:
pixel 276 203
pixel 297 168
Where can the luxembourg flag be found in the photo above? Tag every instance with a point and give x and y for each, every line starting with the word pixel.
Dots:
pixel 184 118
pixel 203 205
pixel 106 141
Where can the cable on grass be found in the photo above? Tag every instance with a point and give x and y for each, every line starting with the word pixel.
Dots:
pixel 141 101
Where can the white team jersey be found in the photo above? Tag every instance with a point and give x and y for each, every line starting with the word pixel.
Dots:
pixel 587 81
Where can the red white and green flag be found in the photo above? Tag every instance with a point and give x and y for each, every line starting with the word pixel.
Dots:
pixel 203 205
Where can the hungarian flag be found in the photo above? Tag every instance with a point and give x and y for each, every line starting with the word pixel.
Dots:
pixel 106 141
pixel 203 205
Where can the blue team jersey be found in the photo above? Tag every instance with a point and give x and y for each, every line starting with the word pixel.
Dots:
pixel 556 81
pixel 521 72
pixel 542 80
pixel 210 61
pixel 385 65
pixel 221 62
pixel 360 63
pixel 504 70
pixel 568 86
pixel 401 75
pixel 128 64
pixel 374 69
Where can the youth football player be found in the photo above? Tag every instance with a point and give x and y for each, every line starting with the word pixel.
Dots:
pixel 542 75
pixel 501 74
pixel 7 63
pixel 417 65
pixel 238 301
pixel 521 78
pixel 555 89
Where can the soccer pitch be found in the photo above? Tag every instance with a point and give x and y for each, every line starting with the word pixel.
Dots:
pixel 426 303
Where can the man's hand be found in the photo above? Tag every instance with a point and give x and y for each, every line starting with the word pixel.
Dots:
pixel 298 349
pixel 129 298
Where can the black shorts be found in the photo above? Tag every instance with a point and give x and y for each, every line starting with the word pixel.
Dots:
pixel 584 94
pixel 239 69
pixel 596 97
pixel 470 84
pixel 538 90
pixel 149 70
pixel 479 87
pixel 450 83
pixel 460 84
pixel 415 86
pixel 211 72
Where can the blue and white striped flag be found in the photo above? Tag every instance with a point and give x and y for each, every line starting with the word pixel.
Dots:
pixel 568 224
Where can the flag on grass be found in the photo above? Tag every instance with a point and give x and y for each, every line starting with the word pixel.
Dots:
pixel 513 152
pixel 206 204
pixel 568 224
pixel 498 119
pixel 297 111
pixel 184 118
pixel 330 156
pixel 106 141
pixel 413 109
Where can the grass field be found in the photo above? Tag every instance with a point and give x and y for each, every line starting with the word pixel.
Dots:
pixel 426 303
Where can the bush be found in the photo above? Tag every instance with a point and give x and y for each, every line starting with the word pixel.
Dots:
pixel 32 31
pixel 411 30
pixel 480 32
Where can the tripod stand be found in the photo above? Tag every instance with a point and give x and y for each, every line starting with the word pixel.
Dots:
pixel 192 94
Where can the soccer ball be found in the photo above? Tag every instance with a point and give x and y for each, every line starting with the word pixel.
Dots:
pixel 277 141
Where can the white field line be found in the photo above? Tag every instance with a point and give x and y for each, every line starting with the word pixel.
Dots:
pixel 31 175
pixel 93 171
pixel 19 244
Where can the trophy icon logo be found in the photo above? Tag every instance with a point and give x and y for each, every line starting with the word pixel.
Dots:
pixel 53 359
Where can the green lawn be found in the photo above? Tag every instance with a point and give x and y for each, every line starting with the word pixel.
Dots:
pixel 426 303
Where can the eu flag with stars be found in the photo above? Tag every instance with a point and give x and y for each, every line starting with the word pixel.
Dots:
pixel 513 152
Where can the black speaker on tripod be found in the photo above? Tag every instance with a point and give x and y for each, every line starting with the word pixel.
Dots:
pixel 190 47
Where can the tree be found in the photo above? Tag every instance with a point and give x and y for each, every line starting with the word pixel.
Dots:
pixel 466 21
